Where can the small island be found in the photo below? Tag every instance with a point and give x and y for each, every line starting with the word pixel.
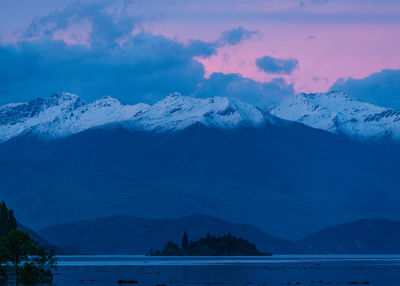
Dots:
pixel 226 245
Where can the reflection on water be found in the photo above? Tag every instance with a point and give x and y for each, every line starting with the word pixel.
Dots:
pixel 379 270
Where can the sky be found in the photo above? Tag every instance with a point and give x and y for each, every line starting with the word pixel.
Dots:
pixel 257 51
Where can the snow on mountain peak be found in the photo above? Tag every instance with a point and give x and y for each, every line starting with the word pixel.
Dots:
pixel 16 118
pixel 338 113
pixel 64 114
pixel 177 111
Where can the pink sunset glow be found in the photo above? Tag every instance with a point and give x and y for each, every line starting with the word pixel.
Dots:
pixel 329 45
pixel 325 54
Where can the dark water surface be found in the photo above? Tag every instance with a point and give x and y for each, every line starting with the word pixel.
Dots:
pixel 277 270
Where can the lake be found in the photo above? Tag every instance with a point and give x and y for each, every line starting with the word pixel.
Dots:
pixel 276 270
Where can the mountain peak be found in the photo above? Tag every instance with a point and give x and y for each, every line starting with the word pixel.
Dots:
pixel 176 112
pixel 18 118
pixel 338 113
pixel 330 94
pixel 62 99
pixel 338 93
pixel 64 95
pixel 175 95
pixel 107 100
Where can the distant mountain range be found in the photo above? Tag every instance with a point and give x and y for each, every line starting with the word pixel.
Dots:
pixel 65 114
pixel 132 235
pixel 69 161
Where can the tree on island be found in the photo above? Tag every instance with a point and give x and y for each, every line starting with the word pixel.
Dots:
pixel 170 249
pixel 185 241
pixel 226 245
pixel 31 262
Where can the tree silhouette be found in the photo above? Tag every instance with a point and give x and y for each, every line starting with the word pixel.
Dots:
pixel 7 219
pixel 15 248
pixel 211 245
pixel 185 241
pixel 31 262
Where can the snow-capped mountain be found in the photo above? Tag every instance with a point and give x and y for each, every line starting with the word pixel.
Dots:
pixel 61 115
pixel 98 113
pixel 66 114
pixel 177 112
pixel 337 113
pixel 15 118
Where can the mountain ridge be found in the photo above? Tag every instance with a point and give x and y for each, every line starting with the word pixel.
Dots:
pixel 122 234
pixel 65 114
pixel 364 236
pixel 338 113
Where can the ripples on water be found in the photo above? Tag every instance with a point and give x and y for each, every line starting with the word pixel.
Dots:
pixel 276 270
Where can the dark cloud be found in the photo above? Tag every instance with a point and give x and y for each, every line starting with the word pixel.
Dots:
pixel 381 88
pixel 244 89
pixel 235 36
pixel 139 68
pixel 107 25
pixel 143 69
pixel 277 66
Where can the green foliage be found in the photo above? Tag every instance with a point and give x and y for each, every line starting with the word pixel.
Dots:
pixel 226 245
pixel 31 262
pixel 7 220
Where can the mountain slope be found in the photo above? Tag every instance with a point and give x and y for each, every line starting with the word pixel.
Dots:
pixel 366 236
pixel 133 235
pixel 286 179
pixel 336 112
